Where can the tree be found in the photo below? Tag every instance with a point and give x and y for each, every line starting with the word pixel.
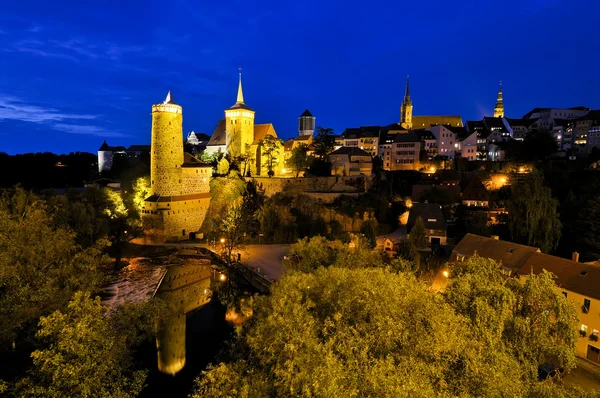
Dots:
pixel 231 231
pixel 373 332
pixel 539 145
pixel 41 266
pixel 83 355
pixel 223 167
pixel 299 159
pixel 532 214
pixel 589 228
pixel 369 230
pixel 533 321
pixel 309 254
pixel 324 143
pixel 141 190
pixel 270 146
pixel 418 235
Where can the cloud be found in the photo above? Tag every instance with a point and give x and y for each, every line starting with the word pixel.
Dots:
pixel 87 130
pixel 12 108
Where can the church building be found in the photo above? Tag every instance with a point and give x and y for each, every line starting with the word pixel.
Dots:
pixel 410 122
pixel 238 135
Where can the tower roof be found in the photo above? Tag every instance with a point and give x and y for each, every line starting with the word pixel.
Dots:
pixel 239 103
pixel 169 99
pixel 306 113
pixel 407 92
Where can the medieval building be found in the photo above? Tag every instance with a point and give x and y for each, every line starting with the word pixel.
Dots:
pixel 499 108
pixel 180 191
pixel 238 136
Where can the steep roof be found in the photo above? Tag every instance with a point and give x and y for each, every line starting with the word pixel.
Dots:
pixel 351 151
pixel 108 148
pixel 570 275
pixel 288 145
pixel 460 131
pixel 451 191
pixel 475 190
pixel 511 255
pixel 493 122
pixel 431 213
pixel 406 137
pixel 426 122
pixel 363 131
pixel 424 134
pixel 521 122
pixel 262 130
pixel 219 136
pixel 306 113
pixel 190 161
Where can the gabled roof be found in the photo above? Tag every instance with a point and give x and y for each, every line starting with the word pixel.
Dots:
pixel 108 148
pixel 461 132
pixel 493 122
pixel 570 275
pixel 511 255
pixel 363 131
pixel 521 122
pixel 394 127
pixel 424 135
pixel 288 145
pixel 262 130
pixel 190 161
pixel 406 137
pixel 475 190
pixel 452 192
pixel 351 151
pixel 219 136
pixel 306 113
pixel 431 213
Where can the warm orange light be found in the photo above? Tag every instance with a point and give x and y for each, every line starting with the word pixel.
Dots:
pixel 503 180
pixel 222 240
pixel 446 274
pixel 222 277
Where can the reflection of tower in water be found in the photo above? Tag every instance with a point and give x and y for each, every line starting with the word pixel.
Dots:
pixel 184 288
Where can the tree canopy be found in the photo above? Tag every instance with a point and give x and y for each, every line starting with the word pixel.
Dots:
pixel 533 214
pixel 373 332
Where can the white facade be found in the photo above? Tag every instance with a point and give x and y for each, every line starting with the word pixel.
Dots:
pixel 468 147
pixel 446 141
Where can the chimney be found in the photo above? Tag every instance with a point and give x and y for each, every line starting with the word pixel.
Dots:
pixel 495 237
pixel 575 257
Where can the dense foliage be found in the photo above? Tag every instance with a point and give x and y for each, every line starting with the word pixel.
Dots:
pixel 373 332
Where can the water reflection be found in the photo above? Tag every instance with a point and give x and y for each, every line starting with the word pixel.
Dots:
pixel 185 288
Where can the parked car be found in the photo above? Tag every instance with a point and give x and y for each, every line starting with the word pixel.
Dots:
pixel 550 371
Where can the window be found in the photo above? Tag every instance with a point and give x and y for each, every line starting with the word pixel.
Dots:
pixel 586 306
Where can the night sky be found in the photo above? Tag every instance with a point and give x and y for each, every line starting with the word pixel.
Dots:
pixel 72 75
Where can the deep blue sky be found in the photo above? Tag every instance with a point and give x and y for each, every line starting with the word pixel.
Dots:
pixel 72 74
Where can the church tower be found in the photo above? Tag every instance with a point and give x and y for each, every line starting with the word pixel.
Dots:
pixel 306 123
pixel 167 148
pixel 239 124
pixel 406 109
pixel 499 108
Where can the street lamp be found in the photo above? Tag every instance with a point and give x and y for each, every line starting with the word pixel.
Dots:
pixel 222 240
pixel 222 277
pixel 446 273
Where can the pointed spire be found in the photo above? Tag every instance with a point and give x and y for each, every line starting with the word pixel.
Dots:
pixel 240 95
pixel 499 108
pixel 407 93
pixel 169 99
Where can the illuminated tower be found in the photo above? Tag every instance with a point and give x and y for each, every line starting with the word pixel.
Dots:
pixel 167 148
pixel 306 123
pixel 406 109
pixel 499 108
pixel 239 124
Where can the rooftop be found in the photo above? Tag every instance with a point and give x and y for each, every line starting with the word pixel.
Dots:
pixel 350 150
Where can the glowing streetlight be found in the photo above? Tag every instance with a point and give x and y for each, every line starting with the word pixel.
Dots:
pixel 222 277
pixel 446 273
pixel 222 240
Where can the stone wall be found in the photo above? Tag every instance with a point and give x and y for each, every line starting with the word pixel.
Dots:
pixel 166 156
pixel 196 180
pixel 349 224
pixel 333 184
pixel 173 220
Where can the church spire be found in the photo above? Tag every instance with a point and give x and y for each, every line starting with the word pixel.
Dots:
pixel 499 108
pixel 169 99
pixel 406 108
pixel 240 95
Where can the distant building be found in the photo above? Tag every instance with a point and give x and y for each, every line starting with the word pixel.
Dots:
pixel 433 218
pixel 428 143
pixel 400 150
pixel 587 131
pixel 499 108
pixel 198 141
pixel 364 137
pixel 351 161
pixel 490 131
pixel 306 123
pixel 107 154
pixel 520 127
pixel 546 116
pixel 410 122
pixel 473 192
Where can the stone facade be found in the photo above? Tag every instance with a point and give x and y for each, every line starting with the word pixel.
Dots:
pixel 180 191
pixel 333 184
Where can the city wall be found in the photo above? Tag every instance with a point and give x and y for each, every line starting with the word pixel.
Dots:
pixel 314 185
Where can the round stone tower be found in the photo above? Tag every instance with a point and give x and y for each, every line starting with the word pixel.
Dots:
pixel 167 148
